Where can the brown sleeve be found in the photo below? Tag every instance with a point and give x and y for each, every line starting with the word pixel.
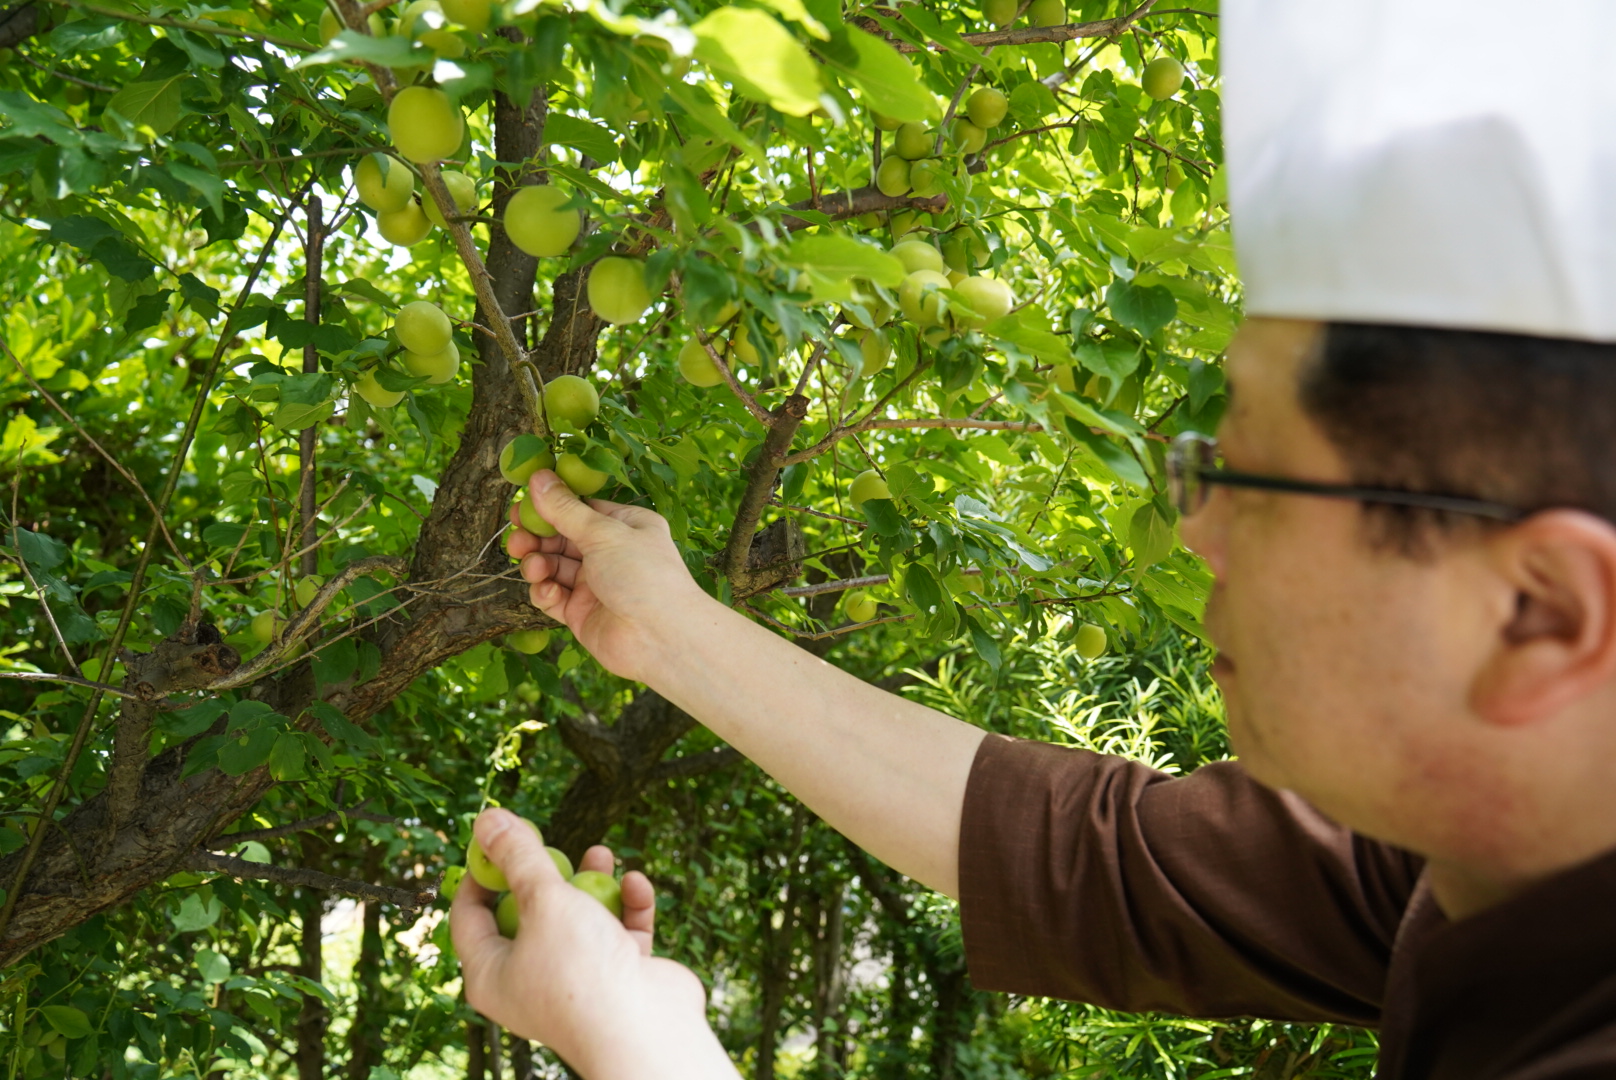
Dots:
pixel 1098 879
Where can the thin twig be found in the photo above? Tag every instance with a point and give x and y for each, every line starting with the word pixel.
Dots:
pixel 275 832
pixel 407 899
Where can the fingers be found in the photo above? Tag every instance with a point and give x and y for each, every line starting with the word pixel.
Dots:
pixel 536 568
pixel 639 902
pixel 598 858
pixel 570 515
pixel 477 941
pixel 516 849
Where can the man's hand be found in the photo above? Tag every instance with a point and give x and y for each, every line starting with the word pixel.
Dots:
pixel 612 576
pixel 575 978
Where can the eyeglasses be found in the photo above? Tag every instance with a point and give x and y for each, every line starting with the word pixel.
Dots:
pixel 1192 472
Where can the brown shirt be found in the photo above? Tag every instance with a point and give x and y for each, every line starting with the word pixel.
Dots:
pixel 1099 879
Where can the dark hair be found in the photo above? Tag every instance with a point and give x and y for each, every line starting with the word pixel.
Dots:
pixel 1525 421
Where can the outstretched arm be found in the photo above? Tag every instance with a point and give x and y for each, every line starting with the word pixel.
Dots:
pixel 885 772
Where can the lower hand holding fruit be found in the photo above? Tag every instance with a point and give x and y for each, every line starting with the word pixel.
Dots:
pixel 575 977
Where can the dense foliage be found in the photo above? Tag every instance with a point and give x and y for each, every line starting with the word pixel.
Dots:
pixel 258 626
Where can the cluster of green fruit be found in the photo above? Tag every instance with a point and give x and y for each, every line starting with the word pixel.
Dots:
pixel 427 350
pixel 266 624
pixel 507 915
pixel 571 404
pixel 1001 13
pixel 912 167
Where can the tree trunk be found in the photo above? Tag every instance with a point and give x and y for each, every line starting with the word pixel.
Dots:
pixel 476 1050
pixel 366 1042
pixel 312 1017
pixel 830 987
pixel 521 1055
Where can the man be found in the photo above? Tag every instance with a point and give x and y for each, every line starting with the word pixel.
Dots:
pixel 1412 532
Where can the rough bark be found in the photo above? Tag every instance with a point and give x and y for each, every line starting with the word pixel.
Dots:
pixel 313 1016
pixel 19 23
pixel 366 1036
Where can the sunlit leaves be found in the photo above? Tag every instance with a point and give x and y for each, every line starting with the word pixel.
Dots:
pixel 761 56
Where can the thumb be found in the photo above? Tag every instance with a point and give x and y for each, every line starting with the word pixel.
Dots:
pixel 571 516
pixel 514 845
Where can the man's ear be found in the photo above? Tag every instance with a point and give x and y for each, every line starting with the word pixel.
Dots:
pixel 1559 644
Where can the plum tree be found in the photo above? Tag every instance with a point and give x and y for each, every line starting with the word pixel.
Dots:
pixel 374 393
pixel 462 189
pixel 1047 12
pixel 987 298
pixel 859 605
pixel 921 298
pixel 986 107
pixel 383 182
pixel 868 485
pixel 1089 639
pixel 582 480
pixel 696 366
pixel 602 887
pixel 422 327
pixel 918 255
pixel 536 222
pixel 617 290
pixel 437 368
pixel 424 124
pixel 892 178
pixel 482 868
pixel 571 402
pixel 406 226
pixel 1162 77
pixel 528 641
pixel 913 142
pixel 522 457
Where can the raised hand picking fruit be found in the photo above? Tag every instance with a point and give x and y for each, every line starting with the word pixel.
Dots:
pixel 602 887
pixel 537 223
pixel 580 479
pixel 617 290
pixel 522 457
pixel 529 518
pixel 383 182
pixel 425 125
pixel 482 869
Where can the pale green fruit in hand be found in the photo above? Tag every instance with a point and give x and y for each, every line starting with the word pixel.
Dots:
pixel 522 457
pixel 265 625
pixel 508 916
pixel 482 869
pixel 697 366
pixel 602 887
pixel 536 223
pixel 1047 12
pixel 877 351
pixel 374 393
pixel 437 368
pixel 425 124
pixel 528 641
pixel 579 477
pixel 892 178
pixel 406 227
pixel 570 402
pixel 860 606
pixel 462 189
pixel 530 518
pixel 986 107
pixel 1090 640
pixel 1162 77
pixel 617 291
pixel 384 183
pixel 926 177
pixel 305 589
pixel 921 297
pixel 562 863
pixel 868 485
pixel 887 123
pixel 913 141
pixel 472 14
pixel 451 882
pixel 988 298
pixel 969 138
pixel 422 327
pixel 1000 13
pixel 918 255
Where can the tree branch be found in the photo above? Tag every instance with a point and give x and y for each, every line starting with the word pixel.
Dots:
pixel 1027 35
pixel 839 205
pixel 760 487
pixel 208 862
pixel 682 768
pixel 18 23
pixel 275 832
pixel 867 424
pixel 218 29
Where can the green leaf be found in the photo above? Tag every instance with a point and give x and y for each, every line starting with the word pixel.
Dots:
pixel 291 416
pixel 923 588
pixel 205 183
pixel 761 56
pixel 340 727
pixel 1123 465
pixel 583 135
pixel 1040 345
pixel 883 516
pixel 243 754
pixel 1115 358
pixel 71 1023
pixel 155 105
pixel 1150 534
pixel 39 550
pixel 983 642
pixel 203 299
pixel 336 661
pixel 192 721
pixel 286 757
pixel 881 74
pixel 213 967
pixel 389 51
pixel 843 256
pixel 1144 309
pixel 196 913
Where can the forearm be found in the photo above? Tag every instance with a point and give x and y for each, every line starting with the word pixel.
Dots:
pixel 885 772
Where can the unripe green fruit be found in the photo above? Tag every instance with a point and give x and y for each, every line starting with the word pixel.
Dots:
pixel 536 223
pixel 331 26
pixel 617 291
pixel 1162 77
pixel 482 869
pixel 877 351
pixel 921 298
pixel 955 277
pixel 522 457
pixel 602 887
pixel 305 589
pixel 860 606
pixel 528 642
pixel 913 141
pixel 425 124
pixel 579 477
pixel 1089 640
pixel 437 368
pixel 383 182
pixel 904 222
pixel 892 178
pixel 741 349
pixel 374 393
pixel 1047 12
pixel 696 366
pixel 918 255
pixel 508 916
pixel 528 516
pixel 406 227
pixel 422 327
pixel 986 107
pixel 886 123
pixel 562 863
pixel 1000 13
pixel 969 138
pixel 926 177
pixel 1063 377
pixel 868 485
pixel 571 403
pixel 472 14
pixel 410 23
pixel 451 882
pixel 879 312
pixel 265 625
pixel 462 189
pixel 988 298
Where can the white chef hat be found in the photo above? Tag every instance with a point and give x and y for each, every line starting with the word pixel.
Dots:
pixel 1446 163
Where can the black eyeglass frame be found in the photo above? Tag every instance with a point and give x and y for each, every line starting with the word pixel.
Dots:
pixel 1189 452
